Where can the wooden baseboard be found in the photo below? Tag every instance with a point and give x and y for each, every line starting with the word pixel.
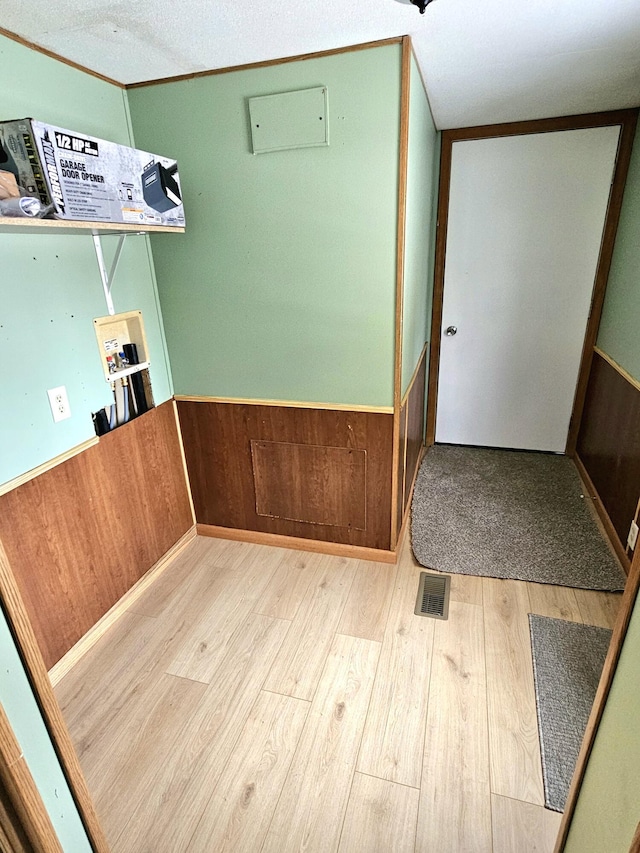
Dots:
pixel 317 546
pixel 603 515
pixel 68 661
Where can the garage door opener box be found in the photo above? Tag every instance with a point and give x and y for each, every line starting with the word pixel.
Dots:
pixel 91 179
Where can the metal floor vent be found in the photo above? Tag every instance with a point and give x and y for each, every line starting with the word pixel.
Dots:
pixel 433 596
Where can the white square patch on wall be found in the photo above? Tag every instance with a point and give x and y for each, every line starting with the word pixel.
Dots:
pixel 297 119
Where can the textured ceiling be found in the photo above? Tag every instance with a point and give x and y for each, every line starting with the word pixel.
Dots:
pixel 484 61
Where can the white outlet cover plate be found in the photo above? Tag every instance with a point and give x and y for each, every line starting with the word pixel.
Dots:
pixel 59 403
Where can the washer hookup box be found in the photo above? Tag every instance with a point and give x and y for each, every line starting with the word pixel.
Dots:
pixel 91 179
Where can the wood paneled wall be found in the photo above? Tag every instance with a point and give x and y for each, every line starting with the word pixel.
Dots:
pixel 609 441
pixel 411 436
pixel 79 536
pixel 311 473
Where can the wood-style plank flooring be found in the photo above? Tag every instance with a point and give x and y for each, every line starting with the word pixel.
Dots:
pixel 262 700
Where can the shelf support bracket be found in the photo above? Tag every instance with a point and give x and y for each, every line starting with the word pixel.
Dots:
pixel 107 276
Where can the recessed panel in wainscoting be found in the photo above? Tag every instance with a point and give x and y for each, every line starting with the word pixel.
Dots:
pixel 307 482
pixel 341 506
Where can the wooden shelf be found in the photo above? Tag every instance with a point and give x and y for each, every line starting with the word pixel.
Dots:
pixel 23 225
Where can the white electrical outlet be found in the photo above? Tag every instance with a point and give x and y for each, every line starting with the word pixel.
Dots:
pixel 633 535
pixel 59 403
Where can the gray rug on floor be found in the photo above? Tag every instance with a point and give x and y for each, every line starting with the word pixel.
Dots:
pixel 508 514
pixel 567 663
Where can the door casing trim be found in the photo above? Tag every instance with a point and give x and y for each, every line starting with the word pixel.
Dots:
pixel 627 120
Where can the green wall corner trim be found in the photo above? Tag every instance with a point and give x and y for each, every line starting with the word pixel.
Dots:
pixel 421 208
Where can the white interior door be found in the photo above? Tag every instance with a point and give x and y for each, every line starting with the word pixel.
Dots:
pixel 526 215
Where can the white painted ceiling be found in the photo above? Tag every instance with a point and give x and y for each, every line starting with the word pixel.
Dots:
pixel 484 61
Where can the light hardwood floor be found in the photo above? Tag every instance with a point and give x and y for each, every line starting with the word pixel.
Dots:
pixel 256 699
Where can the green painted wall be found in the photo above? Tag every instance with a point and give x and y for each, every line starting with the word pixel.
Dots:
pixel 608 811
pixel 618 335
pixel 422 186
pixel 50 289
pixel 284 285
pixel 50 292
pixel 20 707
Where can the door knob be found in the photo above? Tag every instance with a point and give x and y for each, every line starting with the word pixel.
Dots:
pixel 450 331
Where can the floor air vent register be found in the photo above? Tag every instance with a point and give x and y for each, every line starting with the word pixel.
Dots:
pixel 433 596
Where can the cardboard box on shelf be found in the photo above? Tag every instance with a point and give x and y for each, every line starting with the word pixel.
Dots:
pixel 91 179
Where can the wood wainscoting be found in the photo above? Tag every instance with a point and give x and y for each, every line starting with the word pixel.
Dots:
pixel 79 536
pixel 411 438
pixel 609 443
pixel 322 474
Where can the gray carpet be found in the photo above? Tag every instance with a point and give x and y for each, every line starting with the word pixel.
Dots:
pixel 508 514
pixel 567 664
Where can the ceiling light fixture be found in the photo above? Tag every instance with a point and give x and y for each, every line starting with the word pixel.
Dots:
pixel 421 4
